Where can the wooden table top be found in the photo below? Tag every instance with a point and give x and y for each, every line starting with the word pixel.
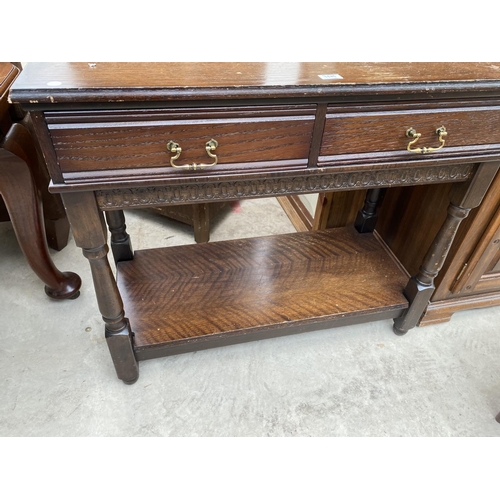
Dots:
pixel 115 82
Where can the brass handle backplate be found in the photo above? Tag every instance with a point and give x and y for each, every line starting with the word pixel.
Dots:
pixel 210 146
pixel 412 134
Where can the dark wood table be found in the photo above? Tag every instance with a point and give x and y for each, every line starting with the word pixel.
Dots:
pixel 23 188
pixel 119 136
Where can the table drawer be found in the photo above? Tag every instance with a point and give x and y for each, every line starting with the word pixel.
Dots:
pixel 247 137
pixel 360 135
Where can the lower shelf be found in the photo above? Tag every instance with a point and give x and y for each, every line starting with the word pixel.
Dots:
pixel 186 298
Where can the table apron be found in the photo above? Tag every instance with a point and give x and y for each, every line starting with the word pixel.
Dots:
pixel 178 194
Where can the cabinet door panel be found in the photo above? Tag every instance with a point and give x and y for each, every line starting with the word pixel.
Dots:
pixel 483 261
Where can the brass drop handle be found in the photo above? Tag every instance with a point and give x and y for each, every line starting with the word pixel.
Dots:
pixel 412 134
pixel 210 146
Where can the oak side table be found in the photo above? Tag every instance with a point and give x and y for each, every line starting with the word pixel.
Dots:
pixel 138 135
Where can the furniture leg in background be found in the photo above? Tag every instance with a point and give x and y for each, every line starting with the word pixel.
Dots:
pixel 197 215
pixel 24 206
pixel 121 245
pixel 367 216
pixel 56 222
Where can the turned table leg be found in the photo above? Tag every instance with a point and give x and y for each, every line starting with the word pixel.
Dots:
pixel 464 197
pixel 89 231
pixel 23 203
pixel 367 216
pixel 121 245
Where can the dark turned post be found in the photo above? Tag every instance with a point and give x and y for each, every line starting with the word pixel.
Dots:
pixel 89 231
pixel 464 197
pixel 121 245
pixel 367 216
pixel 421 287
pixel 24 205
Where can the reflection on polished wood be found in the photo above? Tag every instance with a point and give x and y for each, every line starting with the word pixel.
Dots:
pixel 81 77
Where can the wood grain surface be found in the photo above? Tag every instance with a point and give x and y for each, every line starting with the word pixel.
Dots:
pixel 355 133
pixel 82 81
pixel 244 136
pixel 231 288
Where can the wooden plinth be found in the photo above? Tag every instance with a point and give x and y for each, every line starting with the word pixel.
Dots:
pixel 186 298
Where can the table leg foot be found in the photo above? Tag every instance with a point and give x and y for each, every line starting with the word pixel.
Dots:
pixel 418 295
pixel 122 353
pixel 398 331
pixel 69 287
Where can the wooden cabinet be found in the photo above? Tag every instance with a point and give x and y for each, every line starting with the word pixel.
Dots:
pixel 471 277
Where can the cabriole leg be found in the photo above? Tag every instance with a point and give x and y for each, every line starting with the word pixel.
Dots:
pixel 21 197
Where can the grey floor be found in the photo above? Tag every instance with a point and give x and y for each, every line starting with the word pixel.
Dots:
pixel 57 379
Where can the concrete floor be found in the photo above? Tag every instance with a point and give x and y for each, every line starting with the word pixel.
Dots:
pixel 57 378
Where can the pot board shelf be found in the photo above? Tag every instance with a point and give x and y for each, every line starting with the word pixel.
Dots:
pixel 193 297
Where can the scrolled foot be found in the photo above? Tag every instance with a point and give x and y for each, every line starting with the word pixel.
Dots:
pixel 69 287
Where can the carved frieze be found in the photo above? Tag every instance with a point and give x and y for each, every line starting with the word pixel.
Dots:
pixel 257 188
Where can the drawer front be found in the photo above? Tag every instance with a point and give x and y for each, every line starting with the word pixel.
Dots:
pixel 248 137
pixel 357 136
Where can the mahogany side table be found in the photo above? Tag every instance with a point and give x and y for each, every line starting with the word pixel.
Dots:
pixel 22 188
pixel 136 135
